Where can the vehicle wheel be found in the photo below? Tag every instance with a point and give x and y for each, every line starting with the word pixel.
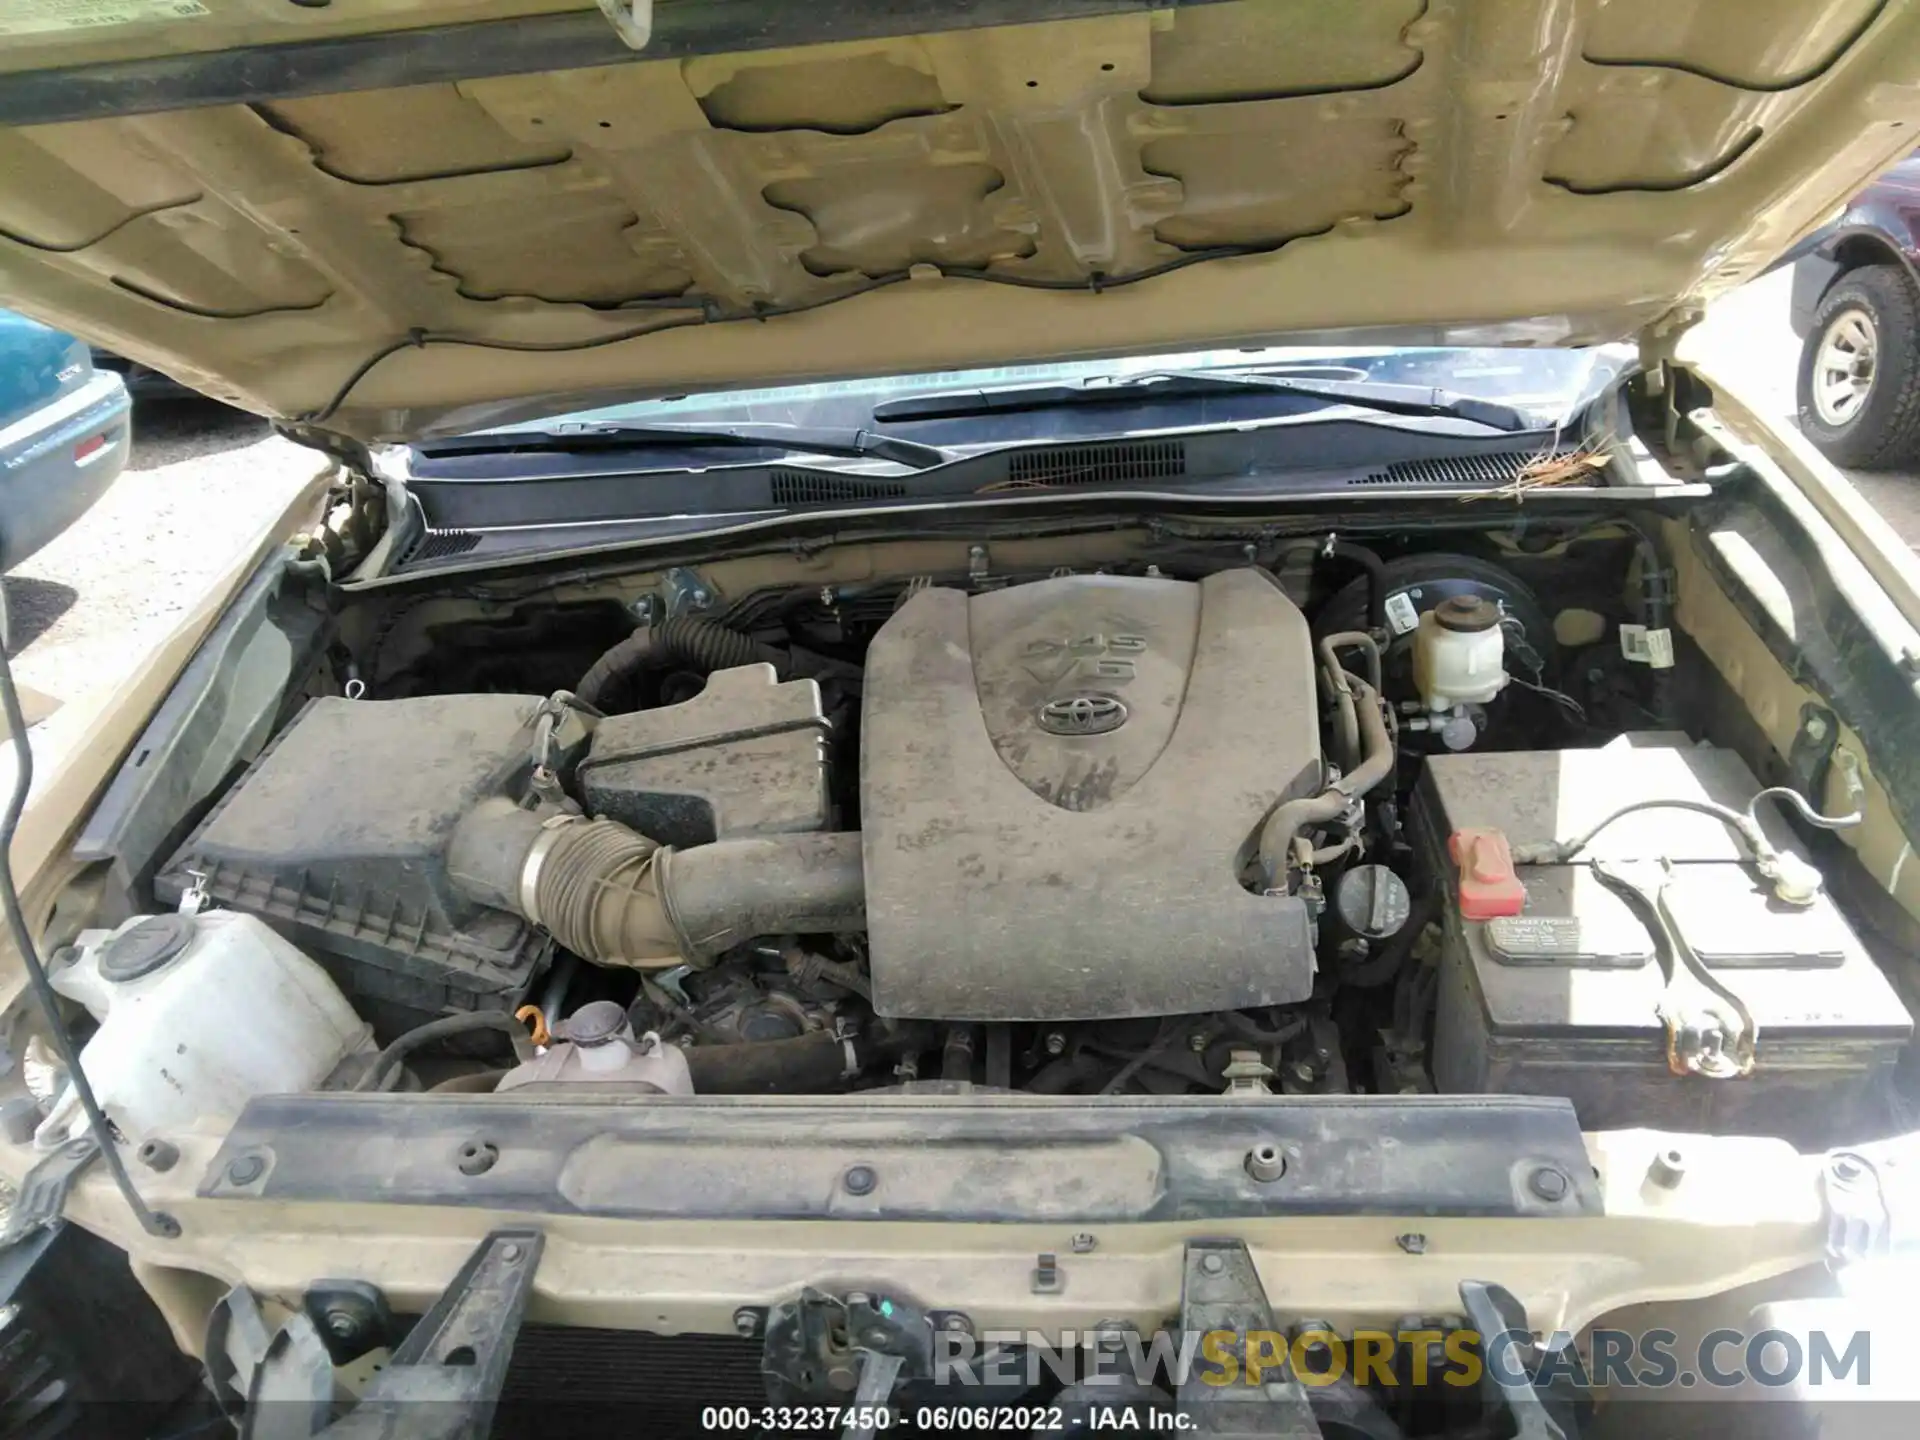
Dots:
pixel 1859 385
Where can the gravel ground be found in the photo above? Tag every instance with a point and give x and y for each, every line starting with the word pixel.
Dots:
pixel 204 479
pixel 202 482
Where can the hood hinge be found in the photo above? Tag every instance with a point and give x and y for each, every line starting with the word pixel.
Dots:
pixel 1660 339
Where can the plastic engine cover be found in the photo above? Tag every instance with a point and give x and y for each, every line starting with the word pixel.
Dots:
pixel 1059 784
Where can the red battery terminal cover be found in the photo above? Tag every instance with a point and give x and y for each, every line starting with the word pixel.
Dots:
pixel 1489 886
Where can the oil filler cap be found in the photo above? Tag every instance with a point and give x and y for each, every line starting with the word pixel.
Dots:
pixel 1489 887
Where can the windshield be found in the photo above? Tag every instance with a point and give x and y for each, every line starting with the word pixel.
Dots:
pixel 1548 385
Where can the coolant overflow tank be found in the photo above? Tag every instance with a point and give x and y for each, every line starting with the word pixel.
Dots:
pixel 1060 783
pixel 599 1053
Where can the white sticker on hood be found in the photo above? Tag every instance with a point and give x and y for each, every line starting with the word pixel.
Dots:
pixel 35 17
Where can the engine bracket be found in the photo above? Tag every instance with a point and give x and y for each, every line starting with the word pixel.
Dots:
pixel 441 1383
pixel 1497 1315
pixel 1221 1292
pixel 43 1194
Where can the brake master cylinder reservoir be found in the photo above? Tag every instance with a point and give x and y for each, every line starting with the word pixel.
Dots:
pixel 198 1014
pixel 1459 653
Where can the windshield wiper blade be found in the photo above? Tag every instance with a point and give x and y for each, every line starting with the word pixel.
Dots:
pixel 1391 399
pixel 1385 396
pixel 794 439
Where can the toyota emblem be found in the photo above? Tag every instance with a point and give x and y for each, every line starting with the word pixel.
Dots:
pixel 1089 714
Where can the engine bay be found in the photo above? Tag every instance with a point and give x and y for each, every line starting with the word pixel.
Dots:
pixel 1335 819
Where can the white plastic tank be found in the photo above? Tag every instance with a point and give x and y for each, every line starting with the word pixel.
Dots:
pixel 198 1014
pixel 1459 653
pixel 599 1050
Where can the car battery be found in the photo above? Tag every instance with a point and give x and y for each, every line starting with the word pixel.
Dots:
pixel 1565 997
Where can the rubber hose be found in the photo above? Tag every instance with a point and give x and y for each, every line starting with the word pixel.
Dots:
pixel 1346 723
pixel 1334 675
pixel 596 895
pixel 1060 1076
pixel 1245 1028
pixel 692 641
pixel 1376 569
pixel 1346 718
pixel 723 894
pixel 610 895
pixel 815 1063
pixel 1330 647
pixel 1290 817
pixel 386 1065
pixel 806 1065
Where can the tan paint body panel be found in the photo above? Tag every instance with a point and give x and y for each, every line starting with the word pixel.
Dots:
pixel 1533 171
pixel 1748 1210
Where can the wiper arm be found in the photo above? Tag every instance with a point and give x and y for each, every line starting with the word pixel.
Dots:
pixel 794 439
pixel 1387 398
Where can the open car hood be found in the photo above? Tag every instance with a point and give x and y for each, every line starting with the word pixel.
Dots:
pixel 390 217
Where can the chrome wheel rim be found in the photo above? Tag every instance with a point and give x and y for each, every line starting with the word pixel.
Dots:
pixel 1843 366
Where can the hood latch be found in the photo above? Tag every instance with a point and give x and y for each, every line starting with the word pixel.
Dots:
pixel 632 20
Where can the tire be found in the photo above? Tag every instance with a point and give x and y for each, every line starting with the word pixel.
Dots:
pixel 1869 321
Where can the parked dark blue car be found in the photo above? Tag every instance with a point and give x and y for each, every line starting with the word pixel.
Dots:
pixel 64 434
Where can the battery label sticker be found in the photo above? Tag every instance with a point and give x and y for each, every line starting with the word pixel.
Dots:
pixel 1402 615
pixel 38 17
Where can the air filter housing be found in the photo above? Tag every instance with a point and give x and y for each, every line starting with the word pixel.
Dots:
pixel 337 838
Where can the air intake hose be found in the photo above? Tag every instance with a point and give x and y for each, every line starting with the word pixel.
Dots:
pixel 690 641
pixel 612 896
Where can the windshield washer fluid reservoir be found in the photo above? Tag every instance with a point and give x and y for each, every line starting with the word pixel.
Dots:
pixel 1459 653
pixel 198 1014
